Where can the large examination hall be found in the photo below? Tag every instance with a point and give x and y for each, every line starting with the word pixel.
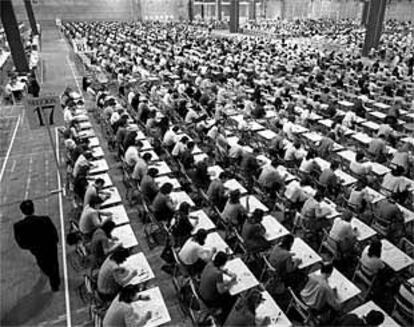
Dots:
pixel 212 163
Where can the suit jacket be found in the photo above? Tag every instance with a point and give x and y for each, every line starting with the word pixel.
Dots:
pixel 35 232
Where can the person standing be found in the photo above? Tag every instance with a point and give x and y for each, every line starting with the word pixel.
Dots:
pixel 38 234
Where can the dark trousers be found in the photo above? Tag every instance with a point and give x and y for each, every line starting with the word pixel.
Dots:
pixel 47 260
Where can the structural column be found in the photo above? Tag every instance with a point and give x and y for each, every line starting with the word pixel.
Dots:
pixel 202 12
pixel 190 10
pixel 31 16
pixel 375 21
pixel 365 9
pixel 283 9
pixel 252 10
pixel 8 18
pixel 219 10
pixel 234 16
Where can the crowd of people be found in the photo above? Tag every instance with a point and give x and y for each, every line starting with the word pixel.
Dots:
pixel 186 89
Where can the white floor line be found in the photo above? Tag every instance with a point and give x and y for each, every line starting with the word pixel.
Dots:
pixel 3 168
pixel 63 237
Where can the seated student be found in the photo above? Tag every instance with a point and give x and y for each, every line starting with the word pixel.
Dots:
pixel 90 218
pixel 112 276
pixel 215 284
pixel 236 153
pixel 82 161
pixel 309 164
pixel 344 234
pixel 253 232
pixel 121 312
pixel 329 179
pixel 244 311
pixel 95 190
pixel 163 205
pixel 349 119
pixel 403 157
pixel 194 254
pixel 276 146
pixel 187 157
pixel 295 192
pixel 180 147
pixel 102 243
pixel 395 183
pixel 250 165
pixel 320 296
pixel 181 226
pixel 149 187
pixel 234 213
pixel 170 138
pixel 314 214
pixel 141 167
pixel 373 318
pixel 287 267
pixel 270 179
pixel 200 175
pixel 326 145
pixel 359 167
pixel 80 184
pixel 216 191
pixel 378 149
pixel 294 153
pixel 359 196
pixel 388 211
pixel 132 156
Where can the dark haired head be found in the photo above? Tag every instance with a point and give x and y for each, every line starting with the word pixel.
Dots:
pixel 374 249
pixel 147 156
pixel 334 165
pixel 95 201
pixel 234 196
pixel 374 318
pixel 359 156
pixel 166 188
pixel 27 207
pixel 327 268
pixel 127 294
pixel 99 182
pixel 152 172
pixel 200 236
pixel 120 255
pixel 108 226
pixel 220 259
pixel 287 242
pixel 184 208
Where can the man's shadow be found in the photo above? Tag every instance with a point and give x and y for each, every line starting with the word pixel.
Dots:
pixel 30 305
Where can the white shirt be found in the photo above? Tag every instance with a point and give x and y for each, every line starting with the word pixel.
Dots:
pixel 131 155
pixel 67 116
pixel 192 251
pixel 115 117
pixel 130 97
pixel 349 119
pixel 178 149
pixel 170 138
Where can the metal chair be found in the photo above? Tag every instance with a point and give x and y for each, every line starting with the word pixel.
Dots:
pixel 303 310
pixel 366 278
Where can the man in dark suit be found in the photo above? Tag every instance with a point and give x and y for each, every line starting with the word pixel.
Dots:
pixel 38 234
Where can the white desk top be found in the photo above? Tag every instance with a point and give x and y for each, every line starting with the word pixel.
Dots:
pixel 346 289
pixel 363 310
pixel 125 235
pixel 303 251
pixel 233 184
pixel 99 166
pixel 93 141
pixel 254 203
pixel 214 240
pixel 245 278
pixel 162 167
pixel 267 134
pixel 105 177
pixel 97 152
pixel 161 180
pixel 114 198
pixel 154 156
pixel 362 138
pixel 408 215
pixel 119 214
pixel 203 222
pixel 214 171
pixel 139 262
pixel 274 229
pixel 312 136
pixel 85 125
pixel 345 178
pixel 89 133
pixel 393 257
pixel 179 197
pixel 156 305
pixel 365 232
pixel 200 157
pixel 269 308
pixel 375 196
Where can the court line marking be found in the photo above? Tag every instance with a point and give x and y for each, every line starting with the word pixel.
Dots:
pixel 62 235
pixel 6 159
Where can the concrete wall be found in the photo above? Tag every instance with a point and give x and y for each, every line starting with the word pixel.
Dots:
pixel 78 9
